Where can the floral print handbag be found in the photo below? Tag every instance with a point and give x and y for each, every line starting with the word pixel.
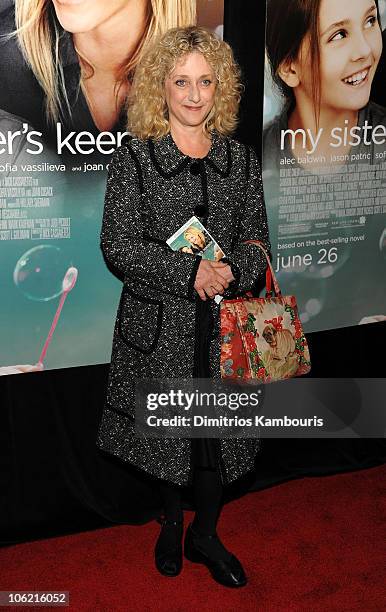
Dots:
pixel 262 338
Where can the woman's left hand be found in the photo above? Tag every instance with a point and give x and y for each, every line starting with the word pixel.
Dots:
pixel 226 272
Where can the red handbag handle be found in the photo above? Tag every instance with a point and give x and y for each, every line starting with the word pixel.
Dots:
pixel 268 280
pixel 269 274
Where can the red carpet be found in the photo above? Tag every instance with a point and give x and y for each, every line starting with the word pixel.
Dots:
pixel 307 546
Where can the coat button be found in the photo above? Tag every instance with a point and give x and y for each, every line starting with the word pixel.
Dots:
pixel 200 210
pixel 195 168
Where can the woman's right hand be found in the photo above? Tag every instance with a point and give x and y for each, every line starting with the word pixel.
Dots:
pixel 210 278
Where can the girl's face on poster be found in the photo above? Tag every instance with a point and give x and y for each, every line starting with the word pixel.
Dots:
pixel 78 16
pixel 350 41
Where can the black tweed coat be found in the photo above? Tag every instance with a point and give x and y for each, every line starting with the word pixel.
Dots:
pixel 152 190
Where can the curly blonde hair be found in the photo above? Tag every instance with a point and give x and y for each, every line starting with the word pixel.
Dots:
pixel 147 115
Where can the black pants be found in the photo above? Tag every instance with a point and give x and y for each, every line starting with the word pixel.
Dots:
pixel 207 484
pixel 203 449
pixel 207 494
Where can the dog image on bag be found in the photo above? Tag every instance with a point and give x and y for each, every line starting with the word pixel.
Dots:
pixel 281 359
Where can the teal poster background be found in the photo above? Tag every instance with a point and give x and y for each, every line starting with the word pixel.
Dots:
pixel 30 292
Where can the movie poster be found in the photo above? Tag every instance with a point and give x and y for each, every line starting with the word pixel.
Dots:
pixel 61 118
pixel 324 158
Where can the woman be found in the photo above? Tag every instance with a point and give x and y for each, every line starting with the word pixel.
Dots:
pixel 98 43
pixel 180 163
pixel 323 63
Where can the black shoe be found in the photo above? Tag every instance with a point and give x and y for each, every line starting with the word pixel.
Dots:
pixel 169 562
pixel 228 573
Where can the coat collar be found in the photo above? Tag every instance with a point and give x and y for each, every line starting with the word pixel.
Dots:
pixel 169 160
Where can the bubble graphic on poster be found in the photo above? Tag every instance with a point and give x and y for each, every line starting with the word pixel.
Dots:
pixel 313 307
pixel 310 301
pixel 39 273
pixel 382 243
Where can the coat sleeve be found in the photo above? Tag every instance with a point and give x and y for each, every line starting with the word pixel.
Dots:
pixel 247 261
pixel 122 241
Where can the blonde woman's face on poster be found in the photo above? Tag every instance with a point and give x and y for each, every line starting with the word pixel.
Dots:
pixel 350 48
pixel 78 16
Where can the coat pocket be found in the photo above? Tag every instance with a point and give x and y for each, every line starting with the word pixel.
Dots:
pixel 139 320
